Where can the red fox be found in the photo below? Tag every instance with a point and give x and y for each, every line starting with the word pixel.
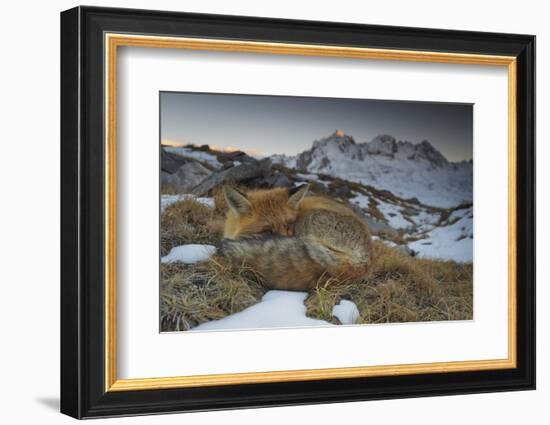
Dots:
pixel 295 241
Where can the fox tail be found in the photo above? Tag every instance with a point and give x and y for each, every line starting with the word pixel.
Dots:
pixel 290 262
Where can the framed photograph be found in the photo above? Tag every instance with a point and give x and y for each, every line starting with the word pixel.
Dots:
pixel 261 212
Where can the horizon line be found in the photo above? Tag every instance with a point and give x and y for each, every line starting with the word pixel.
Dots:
pixel 258 153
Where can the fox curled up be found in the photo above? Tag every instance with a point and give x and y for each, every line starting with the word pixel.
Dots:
pixel 294 241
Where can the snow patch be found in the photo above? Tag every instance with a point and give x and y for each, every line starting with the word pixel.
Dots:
pixel 424 219
pixel 346 311
pixel 360 200
pixel 450 242
pixel 167 200
pixel 189 254
pixel 277 309
pixel 310 177
pixel 392 212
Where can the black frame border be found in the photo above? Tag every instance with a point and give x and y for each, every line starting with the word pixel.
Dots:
pixel 82 206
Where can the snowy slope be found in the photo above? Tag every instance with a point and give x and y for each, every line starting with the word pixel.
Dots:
pixel 451 240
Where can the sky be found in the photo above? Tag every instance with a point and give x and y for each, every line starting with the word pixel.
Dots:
pixel 264 125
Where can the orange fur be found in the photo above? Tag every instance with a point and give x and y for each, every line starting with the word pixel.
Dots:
pixel 269 213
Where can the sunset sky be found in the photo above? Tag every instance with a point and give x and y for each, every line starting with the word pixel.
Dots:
pixel 283 124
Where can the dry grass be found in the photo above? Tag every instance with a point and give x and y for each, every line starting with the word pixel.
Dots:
pixel 191 294
pixel 186 222
pixel 400 288
pixel 400 237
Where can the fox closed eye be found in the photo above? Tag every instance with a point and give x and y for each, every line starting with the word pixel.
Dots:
pixel 287 229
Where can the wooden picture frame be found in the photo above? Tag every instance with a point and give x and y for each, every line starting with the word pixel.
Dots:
pixel 90 38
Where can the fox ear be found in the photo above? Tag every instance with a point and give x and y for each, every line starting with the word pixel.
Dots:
pixel 236 200
pixel 296 195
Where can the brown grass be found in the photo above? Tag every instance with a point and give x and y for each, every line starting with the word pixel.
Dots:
pixel 400 236
pixel 191 294
pixel 401 289
pixel 187 222
pixel 374 211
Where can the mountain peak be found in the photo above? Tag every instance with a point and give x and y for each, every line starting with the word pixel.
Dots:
pixel 383 144
pixel 327 150
pixel 339 133
pixel 425 150
pixel 388 146
pixel 338 138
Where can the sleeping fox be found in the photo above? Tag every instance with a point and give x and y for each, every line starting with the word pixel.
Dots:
pixel 294 241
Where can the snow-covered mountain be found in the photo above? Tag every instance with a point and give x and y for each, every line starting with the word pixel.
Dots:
pixel 408 170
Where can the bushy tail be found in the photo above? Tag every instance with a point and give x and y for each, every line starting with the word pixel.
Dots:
pixel 290 263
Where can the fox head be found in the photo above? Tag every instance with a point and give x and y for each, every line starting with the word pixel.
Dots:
pixel 262 212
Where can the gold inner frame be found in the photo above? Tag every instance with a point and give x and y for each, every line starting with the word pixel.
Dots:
pixel 113 41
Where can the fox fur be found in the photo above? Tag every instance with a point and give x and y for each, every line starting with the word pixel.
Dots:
pixel 295 241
